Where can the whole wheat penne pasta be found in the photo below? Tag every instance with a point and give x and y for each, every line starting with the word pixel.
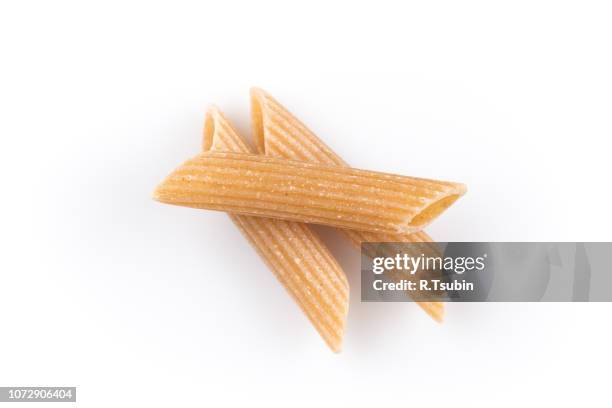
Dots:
pixel 296 256
pixel 279 133
pixel 312 193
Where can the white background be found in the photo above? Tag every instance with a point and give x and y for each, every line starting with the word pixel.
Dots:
pixel 141 304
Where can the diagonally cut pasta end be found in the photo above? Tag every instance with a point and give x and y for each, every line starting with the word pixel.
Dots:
pixel 335 342
pixel 435 207
pixel 209 128
pixel 159 194
pixel 219 134
pixel 435 310
pixel 258 96
pixel 336 346
pixel 156 195
pixel 175 188
pixel 274 128
pixel 162 192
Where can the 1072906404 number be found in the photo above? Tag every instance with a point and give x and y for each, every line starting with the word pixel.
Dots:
pixel 38 394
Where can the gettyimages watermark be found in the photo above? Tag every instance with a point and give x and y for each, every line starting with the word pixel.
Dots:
pixel 486 272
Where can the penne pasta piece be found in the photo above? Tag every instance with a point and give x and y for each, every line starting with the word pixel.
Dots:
pixel 312 193
pixel 278 133
pixel 296 256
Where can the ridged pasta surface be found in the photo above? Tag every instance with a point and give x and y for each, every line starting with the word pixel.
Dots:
pixel 298 191
pixel 296 256
pixel 279 133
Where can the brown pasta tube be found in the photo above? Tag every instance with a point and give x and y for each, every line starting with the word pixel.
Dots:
pixel 312 193
pixel 296 256
pixel 279 133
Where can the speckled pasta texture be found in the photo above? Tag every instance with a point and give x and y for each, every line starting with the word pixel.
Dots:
pixel 342 197
pixel 296 256
pixel 278 133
